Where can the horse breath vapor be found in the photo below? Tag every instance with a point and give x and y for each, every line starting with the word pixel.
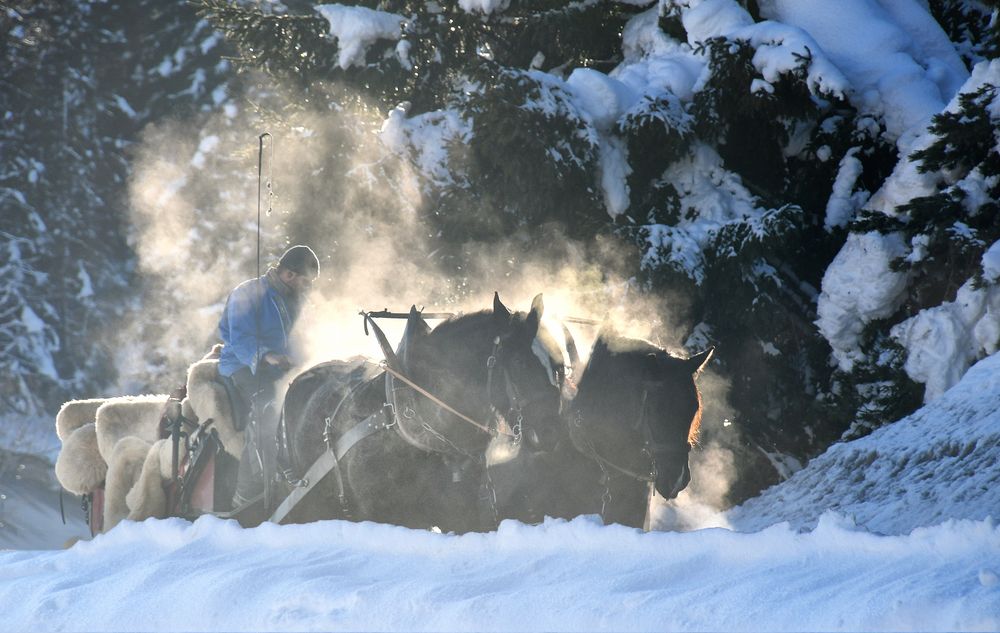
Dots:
pixel 362 219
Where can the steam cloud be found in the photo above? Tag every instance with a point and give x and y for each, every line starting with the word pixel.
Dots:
pixel 336 187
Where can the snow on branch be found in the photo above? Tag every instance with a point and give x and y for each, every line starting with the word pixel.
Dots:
pixel 357 28
pixel 485 7
pixel 781 50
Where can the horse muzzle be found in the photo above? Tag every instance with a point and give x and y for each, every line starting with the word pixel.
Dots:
pixel 670 481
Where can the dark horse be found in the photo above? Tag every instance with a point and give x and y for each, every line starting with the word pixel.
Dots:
pixel 403 458
pixel 630 427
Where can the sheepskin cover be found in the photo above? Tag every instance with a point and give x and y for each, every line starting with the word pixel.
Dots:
pixel 115 442
pixel 74 414
pixel 148 497
pixel 124 468
pixel 128 416
pixel 79 467
pixel 207 400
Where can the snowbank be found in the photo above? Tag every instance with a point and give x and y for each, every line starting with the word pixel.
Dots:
pixel 560 576
pixel 933 466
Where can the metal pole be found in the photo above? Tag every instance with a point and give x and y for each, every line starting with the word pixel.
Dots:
pixel 256 406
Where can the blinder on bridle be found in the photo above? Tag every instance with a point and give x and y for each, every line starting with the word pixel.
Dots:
pixel 516 402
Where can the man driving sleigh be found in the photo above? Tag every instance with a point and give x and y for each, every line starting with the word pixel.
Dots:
pixel 255 329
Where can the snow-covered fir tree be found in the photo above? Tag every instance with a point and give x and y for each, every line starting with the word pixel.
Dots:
pixel 70 116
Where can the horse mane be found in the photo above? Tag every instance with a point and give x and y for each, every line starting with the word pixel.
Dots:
pixel 695 429
pixel 461 322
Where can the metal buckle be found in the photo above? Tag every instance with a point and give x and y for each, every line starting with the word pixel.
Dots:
pixel 391 414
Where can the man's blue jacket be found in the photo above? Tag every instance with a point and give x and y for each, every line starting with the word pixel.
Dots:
pixel 257 319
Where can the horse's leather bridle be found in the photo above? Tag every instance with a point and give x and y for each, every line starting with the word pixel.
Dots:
pixel 515 400
pixel 499 426
pixel 650 447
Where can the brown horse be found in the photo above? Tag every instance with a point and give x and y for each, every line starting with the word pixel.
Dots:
pixel 628 430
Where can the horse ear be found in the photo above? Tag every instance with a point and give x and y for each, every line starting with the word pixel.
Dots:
pixel 415 324
pixel 599 348
pixel 574 353
pixel 605 335
pixel 537 305
pixel 500 312
pixel 534 317
pixel 606 331
pixel 697 362
pixel 415 328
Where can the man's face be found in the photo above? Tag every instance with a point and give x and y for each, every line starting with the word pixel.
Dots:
pixel 298 282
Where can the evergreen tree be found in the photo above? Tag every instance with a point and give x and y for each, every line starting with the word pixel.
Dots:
pixel 947 234
pixel 971 25
pixel 480 67
pixel 60 253
pixel 71 114
pixel 515 166
pixel 754 286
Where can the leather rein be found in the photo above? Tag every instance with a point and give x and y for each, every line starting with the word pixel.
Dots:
pixel 517 403
pixel 650 447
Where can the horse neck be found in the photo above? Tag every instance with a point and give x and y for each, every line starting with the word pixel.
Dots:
pixel 461 347
pixel 609 383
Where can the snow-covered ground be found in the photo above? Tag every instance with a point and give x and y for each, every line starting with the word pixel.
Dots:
pixel 576 576
pixel 889 532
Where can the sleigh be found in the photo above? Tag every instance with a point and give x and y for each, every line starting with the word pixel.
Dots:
pixel 413 440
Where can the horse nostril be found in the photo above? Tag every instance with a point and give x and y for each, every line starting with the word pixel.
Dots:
pixel 683 482
pixel 669 487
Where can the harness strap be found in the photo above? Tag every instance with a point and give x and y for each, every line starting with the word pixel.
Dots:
pixel 361 430
pixel 491 363
pixel 624 471
pixel 329 461
pixel 516 406
pixel 321 467
pixel 591 450
pixel 395 374
pixel 513 397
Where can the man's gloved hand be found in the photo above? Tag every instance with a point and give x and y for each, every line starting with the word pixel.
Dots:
pixel 280 361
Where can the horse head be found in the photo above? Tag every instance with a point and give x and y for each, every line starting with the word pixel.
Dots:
pixel 499 368
pixel 533 371
pixel 638 411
